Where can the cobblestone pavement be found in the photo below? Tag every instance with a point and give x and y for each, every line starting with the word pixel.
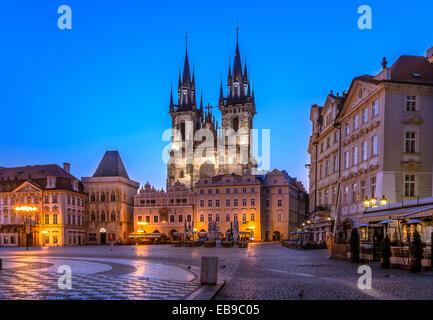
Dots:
pixel 274 272
pixel 263 271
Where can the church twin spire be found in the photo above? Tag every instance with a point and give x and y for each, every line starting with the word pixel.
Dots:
pixel 238 85
pixel 186 87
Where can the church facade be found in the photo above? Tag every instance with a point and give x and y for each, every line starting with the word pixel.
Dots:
pixel 200 148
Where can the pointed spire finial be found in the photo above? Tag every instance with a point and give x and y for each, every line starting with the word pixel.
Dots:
pixel 237 32
pixel 171 94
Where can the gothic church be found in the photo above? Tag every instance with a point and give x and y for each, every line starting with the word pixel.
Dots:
pixel 228 154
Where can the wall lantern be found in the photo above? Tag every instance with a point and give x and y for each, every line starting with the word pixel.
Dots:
pixel 366 202
pixel 373 202
pixel 383 201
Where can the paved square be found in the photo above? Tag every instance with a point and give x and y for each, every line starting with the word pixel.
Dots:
pixel 263 271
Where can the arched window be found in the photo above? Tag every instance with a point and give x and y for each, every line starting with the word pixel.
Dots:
pixel 93 216
pixel 182 130
pixel 103 216
pixel 102 197
pixel 113 216
pixel 92 197
pixel 235 124
pixel 113 197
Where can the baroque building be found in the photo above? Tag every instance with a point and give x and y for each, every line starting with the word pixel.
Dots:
pixel 165 212
pixel 41 205
pixel 383 147
pixel 200 153
pixel 110 194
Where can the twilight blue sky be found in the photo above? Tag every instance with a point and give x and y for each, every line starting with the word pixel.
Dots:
pixel 69 95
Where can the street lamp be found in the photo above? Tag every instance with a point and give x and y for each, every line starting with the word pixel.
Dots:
pixel 383 201
pixel 366 202
pixel 26 210
pixel 373 202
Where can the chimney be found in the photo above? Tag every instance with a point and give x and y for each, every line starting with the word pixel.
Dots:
pixel 429 55
pixel 67 167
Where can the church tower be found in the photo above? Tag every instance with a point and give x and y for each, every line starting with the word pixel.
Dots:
pixel 237 112
pixel 186 119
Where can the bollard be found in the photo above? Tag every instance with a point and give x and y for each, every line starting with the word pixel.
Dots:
pixel 209 270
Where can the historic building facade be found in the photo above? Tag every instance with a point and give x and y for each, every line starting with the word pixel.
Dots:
pixel 164 212
pixel 41 205
pixel 110 198
pixel 385 145
pixel 228 198
pixel 284 204
pixel 227 149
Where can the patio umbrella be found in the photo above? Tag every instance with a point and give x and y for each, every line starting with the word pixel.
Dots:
pixel 414 221
pixel 385 222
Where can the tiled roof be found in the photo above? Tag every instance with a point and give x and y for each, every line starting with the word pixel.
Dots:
pixel 34 172
pixel 412 69
pixel 111 165
pixel 11 178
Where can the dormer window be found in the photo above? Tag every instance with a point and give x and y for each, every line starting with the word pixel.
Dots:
pixel 75 185
pixel 51 182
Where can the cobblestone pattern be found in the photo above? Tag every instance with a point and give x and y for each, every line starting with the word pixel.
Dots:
pixel 274 272
pixel 43 285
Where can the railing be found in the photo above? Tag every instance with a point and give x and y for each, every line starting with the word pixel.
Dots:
pixel 325 207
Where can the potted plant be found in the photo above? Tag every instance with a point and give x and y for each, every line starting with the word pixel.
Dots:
pixel 416 252
pixel 354 245
pixel 385 253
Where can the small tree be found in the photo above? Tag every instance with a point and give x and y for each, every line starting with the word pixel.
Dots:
pixel 416 251
pixel 354 245
pixel 385 252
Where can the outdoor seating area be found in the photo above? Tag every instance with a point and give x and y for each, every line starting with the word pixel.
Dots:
pixel 212 238
pixel 398 223
pixel 148 238
pixel 303 240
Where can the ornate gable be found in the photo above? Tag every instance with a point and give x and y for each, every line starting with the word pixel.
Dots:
pixel 358 93
pixel 27 187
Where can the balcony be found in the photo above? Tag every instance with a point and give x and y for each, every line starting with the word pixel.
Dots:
pixel 324 208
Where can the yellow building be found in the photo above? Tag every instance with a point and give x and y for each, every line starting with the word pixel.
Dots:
pixel 226 198
pixel 41 205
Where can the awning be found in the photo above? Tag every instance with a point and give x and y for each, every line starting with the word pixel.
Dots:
pixel 398 213
pixel 145 235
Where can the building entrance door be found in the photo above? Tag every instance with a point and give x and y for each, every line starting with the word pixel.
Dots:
pixel 103 235
pixel 103 238
pixel 377 240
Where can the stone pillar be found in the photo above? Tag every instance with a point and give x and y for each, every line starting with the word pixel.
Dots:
pixel 209 270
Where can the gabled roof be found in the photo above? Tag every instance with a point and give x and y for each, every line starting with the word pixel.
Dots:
pixel 111 165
